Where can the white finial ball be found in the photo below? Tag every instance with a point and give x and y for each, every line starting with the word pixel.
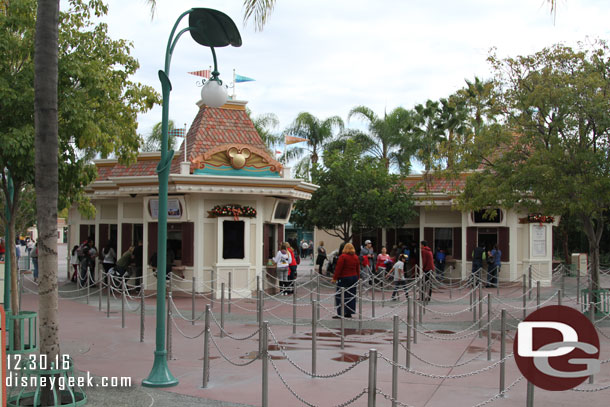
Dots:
pixel 213 94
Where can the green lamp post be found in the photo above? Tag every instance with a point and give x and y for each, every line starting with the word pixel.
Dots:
pixel 210 28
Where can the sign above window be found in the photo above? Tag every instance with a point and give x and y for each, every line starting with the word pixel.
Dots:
pixel 176 208
pixel 487 216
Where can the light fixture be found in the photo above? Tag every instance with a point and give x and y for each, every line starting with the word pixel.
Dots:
pixel 214 93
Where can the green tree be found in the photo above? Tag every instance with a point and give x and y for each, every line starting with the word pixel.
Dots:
pixel 427 134
pixel 318 133
pixel 553 156
pixel 386 136
pixel 356 193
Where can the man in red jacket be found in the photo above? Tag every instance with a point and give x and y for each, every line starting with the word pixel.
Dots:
pixel 428 268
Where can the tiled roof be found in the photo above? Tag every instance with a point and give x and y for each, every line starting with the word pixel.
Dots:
pixel 213 127
pixel 144 166
pixel 434 185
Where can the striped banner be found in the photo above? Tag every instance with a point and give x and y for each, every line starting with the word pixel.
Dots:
pixel 204 73
pixel 176 132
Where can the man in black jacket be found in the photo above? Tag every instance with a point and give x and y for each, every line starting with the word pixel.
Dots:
pixel 478 256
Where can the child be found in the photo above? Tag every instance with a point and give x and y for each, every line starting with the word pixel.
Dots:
pixel 74 262
pixel 399 277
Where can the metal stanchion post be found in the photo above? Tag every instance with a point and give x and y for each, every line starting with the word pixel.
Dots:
pixel 258 299
pixel 122 301
pixel 108 293
pixel 213 293
pixel 294 310
pixel 230 292
pixel 265 366
pixel 563 282
pixel 395 340
pixel 559 295
pixel 480 310
pixel 524 298
pixel 415 306
pixel 577 286
pixel 382 295
pixel 314 335
pixel 206 347
pixel 100 287
pixel 318 294
pixel 88 288
pixel 193 301
pixel 450 289
pixel 530 281
pixel 169 324
pixel 502 350
pixel 592 319
pixel 488 326
pixel 259 313
pixel 372 392
pixel 342 317
pixel 222 310
pixel 530 395
pixel 142 310
pixel 360 295
pixel 538 294
pixel 373 300
pixel 474 305
pixel 409 323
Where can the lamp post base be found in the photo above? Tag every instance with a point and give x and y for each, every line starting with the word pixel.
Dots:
pixel 160 376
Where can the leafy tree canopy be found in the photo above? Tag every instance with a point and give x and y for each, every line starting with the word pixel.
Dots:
pixel 356 193
pixel 553 156
pixel 98 103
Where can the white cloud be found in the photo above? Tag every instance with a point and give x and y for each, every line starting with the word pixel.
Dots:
pixel 326 57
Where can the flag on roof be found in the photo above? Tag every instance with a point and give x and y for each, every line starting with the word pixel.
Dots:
pixel 176 132
pixel 293 140
pixel 278 152
pixel 240 78
pixel 204 73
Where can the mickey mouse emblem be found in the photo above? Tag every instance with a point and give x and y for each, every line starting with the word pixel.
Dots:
pixel 238 157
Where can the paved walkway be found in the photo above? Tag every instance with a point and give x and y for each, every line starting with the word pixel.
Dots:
pixel 100 346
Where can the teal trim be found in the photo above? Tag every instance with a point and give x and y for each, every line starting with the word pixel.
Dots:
pixel 242 172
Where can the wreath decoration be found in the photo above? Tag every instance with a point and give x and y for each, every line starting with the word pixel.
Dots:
pixel 537 218
pixel 232 210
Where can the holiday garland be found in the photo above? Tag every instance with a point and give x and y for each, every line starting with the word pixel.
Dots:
pixel 233 210
pixel 537 218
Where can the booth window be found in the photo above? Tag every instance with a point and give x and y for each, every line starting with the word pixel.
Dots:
pixel 443 239
pixel 485 216
pixel 233 240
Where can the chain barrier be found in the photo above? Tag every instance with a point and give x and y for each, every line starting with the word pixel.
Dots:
pixel 302 400
pixel 434 376
pixel 476 356
pixel 229 360
pixel 361 358
pixel 392 399
pixel 501 394
pixel 446 338
pixel 182 332
pixel 235 338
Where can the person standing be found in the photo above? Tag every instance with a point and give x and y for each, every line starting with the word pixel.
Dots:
pixel 494 268
pixel 138 254
pixel 439 262
pixel 478 256
pixel 321 257
pixel 427 269
pixel 109 257
pixel 399 277
pixel 382 260
pixel 93 253
pixel 83 256
pixel 73 261
pixel 346 276
pixel 282 260
pixel 366 256
pixel 292 269
pixel 34 256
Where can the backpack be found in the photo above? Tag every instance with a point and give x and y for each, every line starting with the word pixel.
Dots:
pixel 297 258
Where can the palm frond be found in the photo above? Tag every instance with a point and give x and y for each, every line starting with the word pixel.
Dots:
pixel 259 10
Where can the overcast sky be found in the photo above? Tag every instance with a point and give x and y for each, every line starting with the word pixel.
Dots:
pixel 327 56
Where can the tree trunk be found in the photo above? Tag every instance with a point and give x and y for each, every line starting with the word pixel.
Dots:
pixel 593 230
pixel 46 146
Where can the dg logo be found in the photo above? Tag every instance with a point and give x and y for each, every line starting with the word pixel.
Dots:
pixel 557 348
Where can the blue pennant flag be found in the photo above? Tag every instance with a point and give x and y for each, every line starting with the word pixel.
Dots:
pixel 239 78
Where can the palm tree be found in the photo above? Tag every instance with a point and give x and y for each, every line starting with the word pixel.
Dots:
pixel 427 133
pixel 153 140
pixel 385 134
pixel 265 124
pixel 317 133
